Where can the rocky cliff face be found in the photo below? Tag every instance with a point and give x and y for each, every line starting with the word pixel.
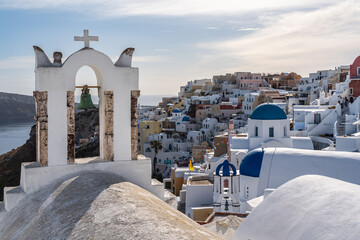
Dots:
pixel 86 123
pixel 16 108
pixel 10 162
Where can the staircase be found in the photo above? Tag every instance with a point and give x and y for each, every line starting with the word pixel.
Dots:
pixel 340 126
pixel 326 123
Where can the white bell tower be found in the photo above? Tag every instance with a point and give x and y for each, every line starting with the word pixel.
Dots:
pixel 226 196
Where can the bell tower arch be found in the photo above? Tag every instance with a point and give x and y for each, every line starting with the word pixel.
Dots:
pixel 55 84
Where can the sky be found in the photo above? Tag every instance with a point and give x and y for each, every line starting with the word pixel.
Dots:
pixel 179 41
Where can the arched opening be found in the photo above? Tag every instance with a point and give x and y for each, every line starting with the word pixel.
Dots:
pixel 226 186
pixel 87 124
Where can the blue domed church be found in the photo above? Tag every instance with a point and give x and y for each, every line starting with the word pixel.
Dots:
pixel 226 192
pixel 268 126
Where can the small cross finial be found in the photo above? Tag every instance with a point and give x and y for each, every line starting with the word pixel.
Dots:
pixel 86 38
pixel 262 145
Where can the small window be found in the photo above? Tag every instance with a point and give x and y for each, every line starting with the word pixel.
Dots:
pixel 256 131
pixel 351 89
pixel 284 131
pixel 138 140
pixel 317 118
pixel 138 134
pixel 271 132
pixel 358 71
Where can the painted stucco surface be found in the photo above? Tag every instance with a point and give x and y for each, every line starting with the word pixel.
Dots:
pixel 97 206
pixel 308 207
pixel 283 164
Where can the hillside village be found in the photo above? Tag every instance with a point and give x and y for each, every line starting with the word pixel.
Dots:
pixel 245 155
pixel 217 122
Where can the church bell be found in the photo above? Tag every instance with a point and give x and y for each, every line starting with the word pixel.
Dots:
pixel 85 99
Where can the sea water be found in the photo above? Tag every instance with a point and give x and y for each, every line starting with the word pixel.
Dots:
pixel 13 135
pixel 151 100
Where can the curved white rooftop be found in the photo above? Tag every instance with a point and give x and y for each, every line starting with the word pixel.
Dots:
pixel 280 165
pixel 308 207
pixel 97 205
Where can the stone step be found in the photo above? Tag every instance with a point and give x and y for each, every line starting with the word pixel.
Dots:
pixel 12 195
pixel 2 209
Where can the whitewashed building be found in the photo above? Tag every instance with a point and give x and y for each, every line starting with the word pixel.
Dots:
pixel 268 126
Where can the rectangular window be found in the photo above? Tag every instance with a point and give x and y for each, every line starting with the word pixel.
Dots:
pixel 351 91
pixel 284 131
pixel 271 132
pixel 317 118
pixel 256 132
pixel 358 71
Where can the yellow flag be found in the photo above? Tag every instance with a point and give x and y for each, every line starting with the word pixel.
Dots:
pixel 191 166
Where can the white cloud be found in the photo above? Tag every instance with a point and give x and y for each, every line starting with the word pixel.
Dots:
pixel 301 41
pixel 162 7
pixel 22 62
pixel 145 59
pixel 247 29
pixel 211 28
pixel 161 49
pixel 149 59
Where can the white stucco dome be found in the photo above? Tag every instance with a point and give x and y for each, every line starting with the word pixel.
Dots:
pixel 308 207
pixel 97 205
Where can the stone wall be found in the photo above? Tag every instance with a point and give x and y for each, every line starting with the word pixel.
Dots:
pixel 134 129
pixel 41 118
pixel 71 127
pixel 109 125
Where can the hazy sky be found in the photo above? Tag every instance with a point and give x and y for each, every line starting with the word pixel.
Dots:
pixel 178 41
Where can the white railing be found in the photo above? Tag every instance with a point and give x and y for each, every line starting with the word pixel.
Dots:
pixel 298 133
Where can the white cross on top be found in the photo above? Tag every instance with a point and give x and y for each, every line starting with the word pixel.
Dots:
pixel 86 38
pixel 262 145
